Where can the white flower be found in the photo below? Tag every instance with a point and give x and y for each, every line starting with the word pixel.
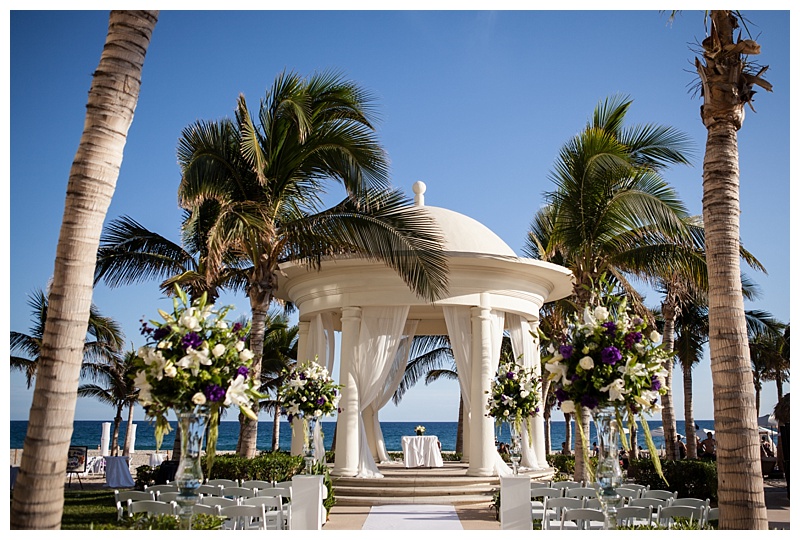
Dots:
pixel 297 383
pixel 588 318
pixel 170 370
pixel 505 413
pixel 557 370
pixel 236 392
pixel 239 346
pixel 318 413
pixel 616 390
pixel 568 406
pixel 218 350
pixel 523 394
pixel 655 337
pixel 199 398
pixel 194 359
pixel 163 344
pixel 245 355
pixel 221 324
pixel 633 368
pixel 189 321
pixel 600 313
pixel 140 381
pixel 586 362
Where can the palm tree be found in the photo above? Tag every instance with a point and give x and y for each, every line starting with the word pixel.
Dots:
pixel 727 81
pixel 114 387
pixel 611 212
pixel 265 177
pixel 769 356
pixel 38 501
pixel 280 353
pixel 107 342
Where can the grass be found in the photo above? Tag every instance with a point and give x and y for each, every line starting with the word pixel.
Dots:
pixel 85 509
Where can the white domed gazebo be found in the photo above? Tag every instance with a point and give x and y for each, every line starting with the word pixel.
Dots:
pixel 490 290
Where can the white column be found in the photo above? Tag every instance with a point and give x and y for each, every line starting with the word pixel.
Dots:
pixel 481 458
pixel 132 439
pixel 538 420
pixel 347 426
pixel 105 439
pixel 302 351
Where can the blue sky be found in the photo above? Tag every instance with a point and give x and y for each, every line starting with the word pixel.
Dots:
pixel 474 103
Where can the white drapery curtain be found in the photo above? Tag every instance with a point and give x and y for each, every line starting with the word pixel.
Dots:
pixel 522 345
pixel 321 346
pixel 501 468
pixel 396 373
pixel 459 330
pixel 379 338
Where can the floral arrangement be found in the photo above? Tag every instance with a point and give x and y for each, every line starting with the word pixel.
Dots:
pixel 419 430
pixel 308 391
pixel 608 358
pixel 195 361
pixel 514 394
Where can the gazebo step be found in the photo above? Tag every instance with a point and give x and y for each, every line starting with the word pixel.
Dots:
pixel 379 501
pixel 415 491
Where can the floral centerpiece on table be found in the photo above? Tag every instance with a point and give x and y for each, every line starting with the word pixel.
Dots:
pixel 609 358
pixel 419 430
pixel 195 361
pixel 514 395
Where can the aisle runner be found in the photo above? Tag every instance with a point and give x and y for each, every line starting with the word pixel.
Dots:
pixel 412 516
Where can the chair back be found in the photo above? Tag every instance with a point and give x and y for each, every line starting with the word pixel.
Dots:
pixel 284 493
pixel 546 492
pixel 554 508
pixel 666 515
pixel 208 489
pixel 635 515
pixel 691 501
pixel 133 495
pixel 640 487
pixel 243 517
pixel 712 514
pixel 152 508
pixel 200 508
pixel 163 488
pixel 167 496
pixel 238 492
pixel 582 519
pixel 629 493
pixel 257 484
pixel 218 501
pixel 273 510
pixel 224 482
pixel 662 494
pixel 581 492
pixel 592 503
pixel 648 501
pixel 566 484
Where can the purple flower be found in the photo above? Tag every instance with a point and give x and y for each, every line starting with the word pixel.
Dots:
pixel 610 355
pixel 161 333
pixel 214 393
pixel 302 376
pixel 631 338
pixel 574 377
pixel 655 384
pixel 144 329
pixel 191 340
pixel 636 321
pixel 236 327
pixel 611 328
pixel 320 400
pixel 565 351
pixel 561 395
pixel 243 371
pixel 589 401
pixel 510 375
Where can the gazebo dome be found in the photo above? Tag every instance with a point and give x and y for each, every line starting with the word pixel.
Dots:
pixel 462 234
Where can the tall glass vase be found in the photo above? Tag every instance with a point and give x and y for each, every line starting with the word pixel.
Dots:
pixel 515 446
pixel 308 444
pixel 608 473
pixel 189 475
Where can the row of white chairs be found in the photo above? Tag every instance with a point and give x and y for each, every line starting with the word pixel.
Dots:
pixel 258 513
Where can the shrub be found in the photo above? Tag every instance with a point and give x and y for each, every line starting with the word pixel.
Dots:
pixel 689 477
pixel 145 476
pixel 270 466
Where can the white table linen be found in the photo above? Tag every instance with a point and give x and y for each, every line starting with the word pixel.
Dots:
pixel 421 451
pixel 157 459
pixel 118 472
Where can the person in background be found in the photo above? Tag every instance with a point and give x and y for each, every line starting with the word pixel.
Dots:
pixel 767 449
pixel 564 450
pixel 595 449
pixel 708 446
pixel 680 448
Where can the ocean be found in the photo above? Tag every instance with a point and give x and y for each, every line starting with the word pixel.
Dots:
pixel 89 432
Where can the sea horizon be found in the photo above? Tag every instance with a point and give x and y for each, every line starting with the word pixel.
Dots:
pixel 89 433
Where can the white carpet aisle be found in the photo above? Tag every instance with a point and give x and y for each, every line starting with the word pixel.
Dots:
pixel 412 517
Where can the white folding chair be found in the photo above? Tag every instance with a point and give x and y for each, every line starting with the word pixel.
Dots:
pixel 582 519
pixel 167 496
pixel 285 493
pixel 566 484
pixel 581 492
pixel 207 489
pixel 152 508
pixel 238 493
pixel 224 482
pixel 218 501
pixel 243 517
pixel 592 502
pixel 121 499
pixel 712 514
pixel 554 508
pixel 200 508
pixel 666 515
pixel 635 515
pixel 163 488
pixel 273 511
pixel 662 494
pixel 629 493
pixel 257 484
pixel 640 487
pixel 537 506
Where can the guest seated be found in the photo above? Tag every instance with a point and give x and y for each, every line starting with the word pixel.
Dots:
pixel 708 448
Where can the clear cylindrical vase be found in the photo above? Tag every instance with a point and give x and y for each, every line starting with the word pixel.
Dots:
pixel 309 445
pixel 189 475
pixel 608 473
pixel 515 446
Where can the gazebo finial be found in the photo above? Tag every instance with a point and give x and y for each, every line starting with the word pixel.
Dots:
pixel 419 193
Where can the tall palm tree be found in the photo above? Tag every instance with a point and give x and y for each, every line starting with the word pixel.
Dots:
pixel 38 501
pixel 280 353
pixel 265 176
pixel 107 342
pixel 611 212
pixel 768 352
pixel 113 386
pixel 727 79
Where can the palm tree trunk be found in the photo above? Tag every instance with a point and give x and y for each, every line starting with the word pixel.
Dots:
pixel 126 451
pixel 115 432
pixel 668 310
pixel 688 412
pixel 276 429
pixel 38 501
pixel 548 446
pixel 741 486
pixel 460 429
pixel 581 443
pixel 568 429
pixel 248 429
pixel 633 441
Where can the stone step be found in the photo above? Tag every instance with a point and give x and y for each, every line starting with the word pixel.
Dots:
pixel 426 490
pixel 364 500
